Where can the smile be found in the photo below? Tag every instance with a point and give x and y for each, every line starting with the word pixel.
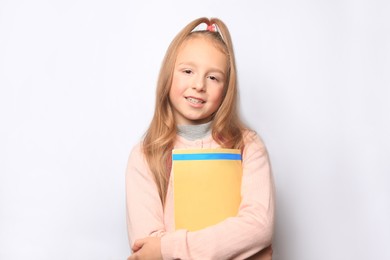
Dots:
pixel 195 100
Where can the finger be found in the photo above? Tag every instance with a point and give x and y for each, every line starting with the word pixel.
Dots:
pixel 138 245
pixel 133 256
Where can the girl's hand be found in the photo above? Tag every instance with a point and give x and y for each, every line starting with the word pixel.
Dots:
pixel 146 248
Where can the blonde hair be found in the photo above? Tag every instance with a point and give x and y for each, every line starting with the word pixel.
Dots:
pixel 226 126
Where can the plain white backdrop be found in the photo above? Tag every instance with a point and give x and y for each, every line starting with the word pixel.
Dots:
pixel 77 84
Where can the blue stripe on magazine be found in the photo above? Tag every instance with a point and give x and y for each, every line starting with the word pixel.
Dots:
pixel 205 156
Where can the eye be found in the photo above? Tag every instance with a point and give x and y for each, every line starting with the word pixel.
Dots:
pixel 187 71
pixel 213 78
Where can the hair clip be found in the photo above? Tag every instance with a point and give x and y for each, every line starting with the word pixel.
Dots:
pixel 211 28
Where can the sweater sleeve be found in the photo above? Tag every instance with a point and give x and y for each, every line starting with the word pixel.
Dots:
pixel 237 237
pixel 143 205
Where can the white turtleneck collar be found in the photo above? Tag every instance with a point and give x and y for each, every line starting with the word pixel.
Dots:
pixel 194 132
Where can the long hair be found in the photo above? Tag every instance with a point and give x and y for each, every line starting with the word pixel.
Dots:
pixel 226 126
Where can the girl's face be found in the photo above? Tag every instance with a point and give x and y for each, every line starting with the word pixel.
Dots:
pixel 198 81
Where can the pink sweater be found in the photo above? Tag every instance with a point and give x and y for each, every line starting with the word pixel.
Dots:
pixel 248 235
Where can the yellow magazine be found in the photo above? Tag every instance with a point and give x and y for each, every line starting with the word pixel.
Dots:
pixel 207 186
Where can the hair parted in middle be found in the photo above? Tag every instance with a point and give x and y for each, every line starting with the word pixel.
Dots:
pixel 226 126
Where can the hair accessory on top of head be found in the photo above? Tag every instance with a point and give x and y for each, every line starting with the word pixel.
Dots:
pixel 206 27
pixel 211 28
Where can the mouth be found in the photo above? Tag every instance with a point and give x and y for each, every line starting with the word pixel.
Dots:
pixel 195 100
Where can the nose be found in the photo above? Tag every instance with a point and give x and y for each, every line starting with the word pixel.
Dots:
pixel 199 85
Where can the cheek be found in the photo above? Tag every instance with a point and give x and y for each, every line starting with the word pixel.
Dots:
pixel 175 93
pixel 177 85
pixel 217 95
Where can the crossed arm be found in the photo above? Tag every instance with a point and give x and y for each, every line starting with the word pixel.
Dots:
pixel 234 238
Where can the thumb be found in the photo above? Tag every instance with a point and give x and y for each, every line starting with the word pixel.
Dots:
pixel 138 244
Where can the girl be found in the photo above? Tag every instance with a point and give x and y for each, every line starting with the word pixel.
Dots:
pixel 196 107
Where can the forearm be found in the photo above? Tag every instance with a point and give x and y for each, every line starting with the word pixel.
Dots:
pixel 234 238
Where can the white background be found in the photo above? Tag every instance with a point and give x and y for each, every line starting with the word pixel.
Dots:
pixel 77 84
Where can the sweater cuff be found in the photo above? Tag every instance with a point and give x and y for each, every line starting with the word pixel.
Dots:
pixel 172 246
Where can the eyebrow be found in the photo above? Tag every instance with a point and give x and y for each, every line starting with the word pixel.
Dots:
pixel 213 69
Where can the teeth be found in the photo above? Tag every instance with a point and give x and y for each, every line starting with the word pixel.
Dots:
pixel 194 100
